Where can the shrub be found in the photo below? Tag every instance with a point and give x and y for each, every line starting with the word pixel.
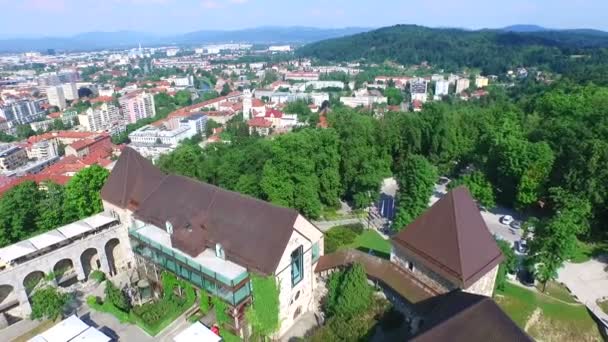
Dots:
pixel 98 276
pixel 348 292
pixel 48 303
pixel 117 297
pixel 220 310
pixel 204 302
pixel 340 236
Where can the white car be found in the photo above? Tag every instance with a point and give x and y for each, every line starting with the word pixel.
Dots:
pixel 506 220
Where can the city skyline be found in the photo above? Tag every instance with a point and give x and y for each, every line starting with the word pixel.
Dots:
pixel 40 18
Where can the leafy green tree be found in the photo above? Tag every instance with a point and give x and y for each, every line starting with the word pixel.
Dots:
pixel 210 126
pixel 394 95
pixel 508 265
pixel 481 189
pixel 50 207
pixel 225 89
pixel 6 137
pixel 263 314
pixel 183 98
pixel 25 131
pixel 416 180
pixel 348 293
pixel 82 197
pixel 221 315
pixel 48 303
pixel 299 107
pixel 18 212
pixel 117 297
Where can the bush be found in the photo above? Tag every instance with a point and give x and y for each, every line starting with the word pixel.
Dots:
pixel 48 303
pixel 98 276
pixel 117 297
pixel 348 292
pixel 204 302
pixel 220 311
pixel 340 236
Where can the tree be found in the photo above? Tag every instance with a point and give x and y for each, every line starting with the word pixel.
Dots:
pixel 225 89
pixel 58 125
pixel 117 297
pixel 210 126
pixel 183 98
pixel 50 208
pixel 82 197
pixel 481 189
pixel 220 310
pixel 348 293
pixel 416 180
pixel 48 303
pixel 508 265
pixel 25 131
pixel 263 314
pixel 394 95
pixel 18 212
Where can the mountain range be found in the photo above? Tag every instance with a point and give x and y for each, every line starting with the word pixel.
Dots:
pixel 127 39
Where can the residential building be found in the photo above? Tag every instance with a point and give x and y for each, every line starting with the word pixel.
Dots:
pixel 161 135
pixel 462 84
pixel 213 238
pixel 302 76
pixel 279 48
pixel 442 88
pixel 363 100
pixel 453 78
pixel 259 125
pixel 70 91
pixel 56 97
pixel 5 126
pixel 137 105
pixel 12 157
pixel 316 85
pixel 23 111
pixel 43 150
pixel 85 147
pixel 48 80
pixel 182 82
pixel 196 123
pixel 481 81
pixel 418 90
pixel 449 247
pixel 103 117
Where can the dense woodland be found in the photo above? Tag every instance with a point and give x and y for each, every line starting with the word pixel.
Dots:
pixel 571 53
pixel 540 149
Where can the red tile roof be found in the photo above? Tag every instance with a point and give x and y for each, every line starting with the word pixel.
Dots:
pixel 55 115
pixel 259 122
pixel 273 113
pixel 101 99
pixel 257 103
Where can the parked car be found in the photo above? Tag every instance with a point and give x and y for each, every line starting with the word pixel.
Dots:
pixel 515 224
pixel 521 246
pixel 527 278
pixel 443 180
pixel 506 219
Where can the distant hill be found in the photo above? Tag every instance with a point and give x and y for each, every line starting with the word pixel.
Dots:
pixel 491 50
pixel 126 39
pixel 524 28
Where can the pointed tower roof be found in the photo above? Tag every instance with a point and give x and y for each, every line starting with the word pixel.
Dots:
pixel 131 181
pixel 452 239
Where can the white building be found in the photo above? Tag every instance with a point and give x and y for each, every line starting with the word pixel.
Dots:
pixel 481 81
pixel 172 52
pixel 279 48
pixel 182 82
pixel 188 128
pixel 105 117
pixel 462 84
pixel 43 150
pixel 70 91
pixel 22 112
pixel 56 97
pixel 363 100
pixel 442 88
pixel 418 90
pixel 324 84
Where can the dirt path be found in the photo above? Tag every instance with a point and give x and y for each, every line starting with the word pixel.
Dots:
pixel 534 317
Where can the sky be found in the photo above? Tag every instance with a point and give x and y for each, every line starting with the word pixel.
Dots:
pixel 39 18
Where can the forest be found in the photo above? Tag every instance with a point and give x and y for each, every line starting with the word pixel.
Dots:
pixel 540 149
pixel 494 52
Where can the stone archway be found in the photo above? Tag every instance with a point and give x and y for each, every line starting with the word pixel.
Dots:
pixel 114 254
pixel 64 272
pixel 90 261
pixel 32 280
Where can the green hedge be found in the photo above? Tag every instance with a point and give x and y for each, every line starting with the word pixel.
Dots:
pixel 341 236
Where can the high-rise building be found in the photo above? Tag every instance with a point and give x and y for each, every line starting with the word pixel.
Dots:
pixel 48 79
pixel 418 89
pixel 22 112
pixel 70 91
pixel 56 97
pixel 12 157
pixel 104 117
pixel 462 84
pixel 137 105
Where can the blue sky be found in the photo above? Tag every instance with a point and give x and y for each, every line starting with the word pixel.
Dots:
pixel 64 17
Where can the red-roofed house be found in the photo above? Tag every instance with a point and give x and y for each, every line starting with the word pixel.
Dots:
pixel 259 125
pixel 85 147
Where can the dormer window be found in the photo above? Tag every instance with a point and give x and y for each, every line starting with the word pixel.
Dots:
pixel 219 251
pixel 169 227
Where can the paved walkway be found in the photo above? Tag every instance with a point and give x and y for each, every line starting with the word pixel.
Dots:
pixel 305 323
pixel 327 225
pixel 588 281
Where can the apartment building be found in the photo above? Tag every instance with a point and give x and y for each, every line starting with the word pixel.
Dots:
pixel 481 81
pixel 12 157
pixel 462 84
pixel 172 132
pixel 137 105
pixel 43 150
pixel 70 91
pixel 56 97
pixel 213 238
pixel 104 116
pixel 418 90
pixel 23 111
pixel 442 88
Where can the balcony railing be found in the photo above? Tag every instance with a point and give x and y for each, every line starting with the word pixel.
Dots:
pixel 189 269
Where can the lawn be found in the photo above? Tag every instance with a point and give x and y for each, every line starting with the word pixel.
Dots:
pixel 355 236
pixel 371 240
pixel 587 250
pixel 558 321
pixel 557 290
